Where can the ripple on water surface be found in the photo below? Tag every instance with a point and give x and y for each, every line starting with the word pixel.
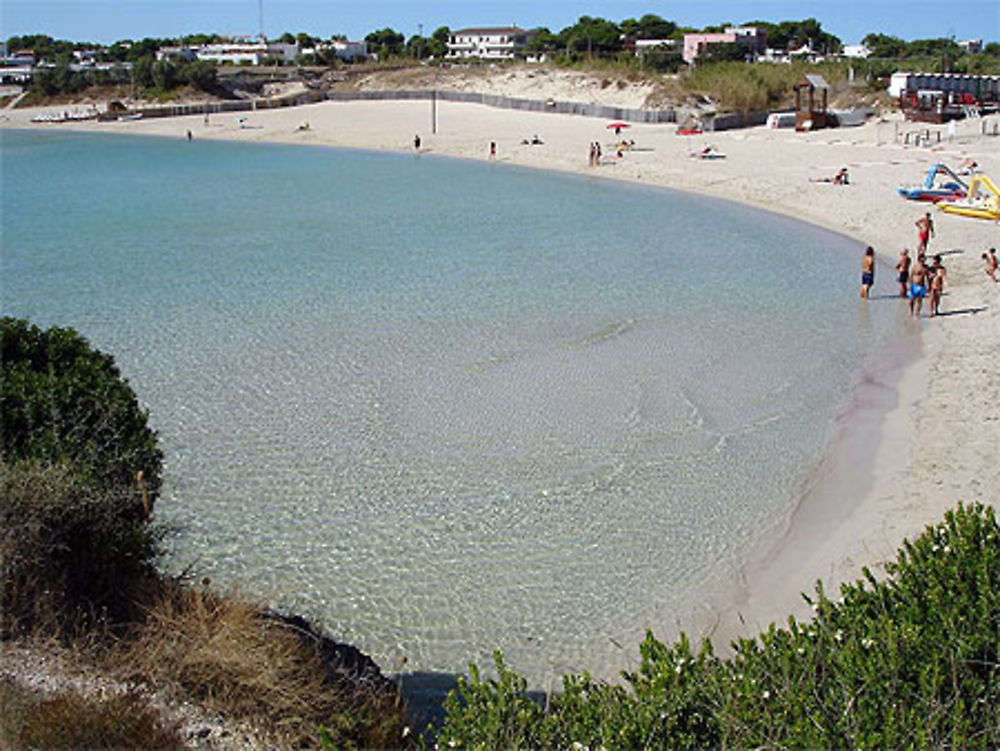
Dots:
pixel 447 407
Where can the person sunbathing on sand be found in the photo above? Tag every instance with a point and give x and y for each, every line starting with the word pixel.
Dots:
pixel 967 167
pixel 841 178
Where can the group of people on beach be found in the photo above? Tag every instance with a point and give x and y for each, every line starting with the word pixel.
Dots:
pixel 917 278
pixel 595 154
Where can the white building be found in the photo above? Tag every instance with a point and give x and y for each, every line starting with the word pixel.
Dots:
pixel 350 51
pixel 247 52
pixel 176 53
pixel 492 43
pixel 15 75
pixel 346 51
pixel 856 51
pixel 985 88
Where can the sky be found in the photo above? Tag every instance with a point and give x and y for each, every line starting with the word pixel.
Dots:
pixel 106 21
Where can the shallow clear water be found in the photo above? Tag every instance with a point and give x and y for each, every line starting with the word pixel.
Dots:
pixel 446 407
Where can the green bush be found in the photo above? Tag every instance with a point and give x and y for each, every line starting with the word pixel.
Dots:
pixel 739 87
pixel 75 537
pixel 909 662
pixel 62 402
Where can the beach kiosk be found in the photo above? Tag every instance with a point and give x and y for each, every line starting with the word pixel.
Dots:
pixel 810 103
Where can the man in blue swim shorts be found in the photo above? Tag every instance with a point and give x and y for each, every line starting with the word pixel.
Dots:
pixel 918 287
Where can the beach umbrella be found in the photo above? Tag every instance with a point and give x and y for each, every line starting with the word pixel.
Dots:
pixel 618 126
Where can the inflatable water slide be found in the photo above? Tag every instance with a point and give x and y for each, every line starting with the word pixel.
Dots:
pixel 982 200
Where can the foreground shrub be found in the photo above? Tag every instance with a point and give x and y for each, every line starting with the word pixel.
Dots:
pixel 72 720
pixel 910 662
pixel 62 402
pixel 70 555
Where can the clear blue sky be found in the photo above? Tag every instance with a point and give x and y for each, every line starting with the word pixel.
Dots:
pixel 109 20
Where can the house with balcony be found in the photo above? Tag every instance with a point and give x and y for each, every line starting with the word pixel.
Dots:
pixel 752 38
pixel 489 43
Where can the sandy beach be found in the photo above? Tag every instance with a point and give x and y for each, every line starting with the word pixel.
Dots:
pixel 916 440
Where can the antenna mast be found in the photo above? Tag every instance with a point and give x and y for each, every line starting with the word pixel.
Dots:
pixel 260 16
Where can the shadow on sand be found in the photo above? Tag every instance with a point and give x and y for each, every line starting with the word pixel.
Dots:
pixel 960 312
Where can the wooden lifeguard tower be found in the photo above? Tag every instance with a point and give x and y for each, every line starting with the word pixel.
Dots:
pixel 810 103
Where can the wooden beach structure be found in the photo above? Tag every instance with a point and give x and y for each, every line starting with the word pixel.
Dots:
pixel 811 97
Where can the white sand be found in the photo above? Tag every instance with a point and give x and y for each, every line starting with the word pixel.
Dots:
pixel 891 474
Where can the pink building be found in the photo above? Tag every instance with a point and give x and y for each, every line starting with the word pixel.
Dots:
pixel 754 39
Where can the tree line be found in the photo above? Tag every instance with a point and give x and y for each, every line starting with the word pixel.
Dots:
pixel 589 38
pixel 595 37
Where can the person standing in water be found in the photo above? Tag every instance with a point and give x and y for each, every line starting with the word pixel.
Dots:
pixel 867 272
pixel 416 142
pixel 918 289
pixel 903 271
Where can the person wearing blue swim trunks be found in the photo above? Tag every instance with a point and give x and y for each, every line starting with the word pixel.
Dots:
pixel 918 287
pixel 867 272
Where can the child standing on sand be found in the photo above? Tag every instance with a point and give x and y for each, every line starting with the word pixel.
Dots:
pixel 937 285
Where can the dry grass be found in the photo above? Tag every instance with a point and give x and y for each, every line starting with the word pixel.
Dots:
pixel 71 558
pixel 72 720
pixel 73 566
pixel 224 653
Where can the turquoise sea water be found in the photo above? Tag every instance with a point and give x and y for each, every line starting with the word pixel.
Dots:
pixel 447 407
